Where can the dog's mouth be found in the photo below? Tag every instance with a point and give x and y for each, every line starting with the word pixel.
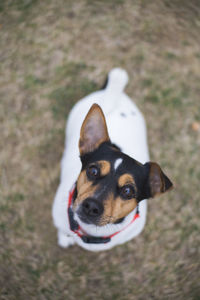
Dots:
pixel 99 221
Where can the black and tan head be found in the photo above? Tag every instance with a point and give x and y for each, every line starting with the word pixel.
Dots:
pixel 111 183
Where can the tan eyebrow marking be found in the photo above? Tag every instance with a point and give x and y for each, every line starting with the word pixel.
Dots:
pixel 126 179
pixel 104 167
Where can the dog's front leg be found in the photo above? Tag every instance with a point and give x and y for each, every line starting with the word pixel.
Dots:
pixel 65 240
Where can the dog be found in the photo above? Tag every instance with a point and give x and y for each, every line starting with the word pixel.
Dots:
pixel 106 175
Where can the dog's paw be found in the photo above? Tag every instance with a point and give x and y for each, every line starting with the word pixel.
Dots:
pixel 64 240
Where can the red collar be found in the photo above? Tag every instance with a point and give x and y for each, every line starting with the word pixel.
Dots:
pixel 75 227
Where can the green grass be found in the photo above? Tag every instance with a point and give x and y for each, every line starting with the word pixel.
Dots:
pixel 54 53
pixel 166 96
pixel 64 97
pixel 20 5
pixel 32 82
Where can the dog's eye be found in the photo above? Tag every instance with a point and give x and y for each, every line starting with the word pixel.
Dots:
pixel 93 172
pixel 127 192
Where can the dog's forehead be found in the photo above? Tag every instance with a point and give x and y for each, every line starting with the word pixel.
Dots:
pixel 105 152
pixel 120 162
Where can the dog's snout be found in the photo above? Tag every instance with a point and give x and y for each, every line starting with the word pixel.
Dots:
pixel 92 208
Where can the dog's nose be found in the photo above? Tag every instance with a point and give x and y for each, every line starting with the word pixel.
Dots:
pixel 92 208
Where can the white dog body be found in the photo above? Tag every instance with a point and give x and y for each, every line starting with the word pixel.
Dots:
pixel 126 128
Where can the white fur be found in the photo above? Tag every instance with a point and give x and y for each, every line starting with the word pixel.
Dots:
pixel 126 127
pixel 117 163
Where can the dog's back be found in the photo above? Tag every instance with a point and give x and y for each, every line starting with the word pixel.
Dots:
pixel 126 125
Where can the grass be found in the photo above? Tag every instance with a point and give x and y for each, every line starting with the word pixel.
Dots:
pixel 64 97
pixel 52 54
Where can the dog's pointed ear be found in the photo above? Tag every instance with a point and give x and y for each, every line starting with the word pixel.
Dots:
pixel 94 130
pixel 157 181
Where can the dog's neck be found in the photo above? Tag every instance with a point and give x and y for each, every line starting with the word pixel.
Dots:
pixel 106 230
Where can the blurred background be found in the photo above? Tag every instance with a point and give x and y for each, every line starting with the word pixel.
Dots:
pixel 52 53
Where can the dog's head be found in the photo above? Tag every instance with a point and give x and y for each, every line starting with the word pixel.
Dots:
pixel 111 183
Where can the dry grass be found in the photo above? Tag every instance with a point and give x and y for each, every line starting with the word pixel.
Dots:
pixel 52 53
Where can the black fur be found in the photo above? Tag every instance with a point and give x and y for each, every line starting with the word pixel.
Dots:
pixel 109 183
pixel 129 165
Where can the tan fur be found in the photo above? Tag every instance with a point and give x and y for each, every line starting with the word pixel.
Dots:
pixel 126 179
pixel 116 208
pixel 84 189
pixel 104 167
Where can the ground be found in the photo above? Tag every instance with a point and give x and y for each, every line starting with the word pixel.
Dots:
pixel 52 53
